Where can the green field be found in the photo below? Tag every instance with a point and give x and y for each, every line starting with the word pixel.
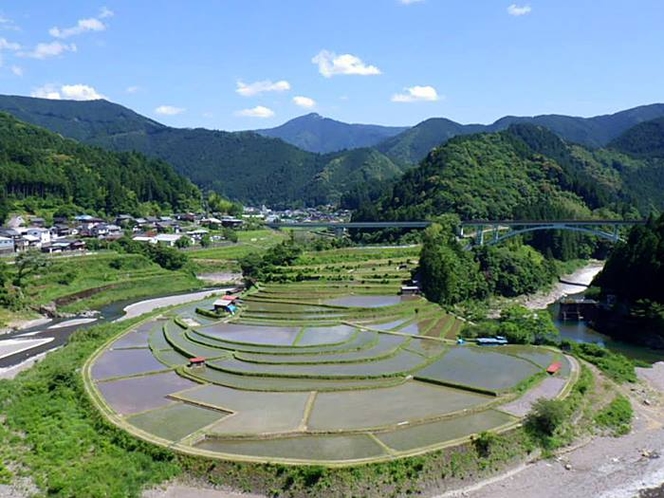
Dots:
pixel 333 371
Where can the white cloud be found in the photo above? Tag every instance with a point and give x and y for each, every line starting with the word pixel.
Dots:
pixel 69 92
pixel 408 2
pixel 8 24
pixel 515 10
pixel 80 92
pixel 82 26
pixel 17 70
pixel 416 94
pixel 133 89
pixel 105 12
pixel 330 64
pixel 305 102
pixel 7 45
pixel 46 50
pixel 169 110
pixel 261 86
pixel 257 112
pixel 46 92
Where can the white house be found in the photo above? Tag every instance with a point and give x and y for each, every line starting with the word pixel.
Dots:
pixel 168 239
pixel 6 244
pixel 43 235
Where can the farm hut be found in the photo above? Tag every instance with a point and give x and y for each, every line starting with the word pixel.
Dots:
pixel 554 367
pixel 224 305
pixel 197 361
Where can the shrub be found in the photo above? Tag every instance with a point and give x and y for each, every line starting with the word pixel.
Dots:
pixel 545 421
pixel 616 417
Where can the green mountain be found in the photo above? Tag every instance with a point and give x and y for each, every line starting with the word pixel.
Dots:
pixel 643 140
pixel 524 172
pixel 315 133
pixel 347 171
pixel 82 121
pixel 412 145
pixel 251 168
pixel 40 168
pixel 241 166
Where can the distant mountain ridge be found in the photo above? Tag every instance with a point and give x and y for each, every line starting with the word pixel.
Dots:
pixel 256 169
pixel 316 133
pixel 243 166
pixel 414 144
pixel 41 168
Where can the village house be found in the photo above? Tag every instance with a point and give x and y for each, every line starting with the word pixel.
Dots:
pixel 42 235
pixel 6 245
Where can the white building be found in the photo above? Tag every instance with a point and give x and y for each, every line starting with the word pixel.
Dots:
pixel 6 244
pixel 43 235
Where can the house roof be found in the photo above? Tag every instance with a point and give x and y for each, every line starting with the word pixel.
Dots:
pixel 168 237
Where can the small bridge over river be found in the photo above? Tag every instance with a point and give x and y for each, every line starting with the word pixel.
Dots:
pixel 483 231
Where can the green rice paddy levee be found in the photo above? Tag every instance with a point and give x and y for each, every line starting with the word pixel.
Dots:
pixel 401 363
pixel 335 371
pixel 385 347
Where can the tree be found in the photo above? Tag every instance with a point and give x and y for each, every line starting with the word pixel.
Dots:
pixel 29 263
pixel 183 242
pixel 523 326
pixel 168 258
pixel 229 234
pixel 448 274
pixel 206 241
pixel 546 419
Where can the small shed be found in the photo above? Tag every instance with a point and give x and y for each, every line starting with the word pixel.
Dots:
pixel 197 361
pixel 554 367
pixel 224 305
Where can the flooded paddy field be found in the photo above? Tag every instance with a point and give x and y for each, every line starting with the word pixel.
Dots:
pixel 479 367
pixel 313 372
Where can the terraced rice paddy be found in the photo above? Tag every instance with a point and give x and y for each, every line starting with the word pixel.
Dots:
pixel 316 372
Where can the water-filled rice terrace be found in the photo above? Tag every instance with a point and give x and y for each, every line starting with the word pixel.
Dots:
pixel 324 371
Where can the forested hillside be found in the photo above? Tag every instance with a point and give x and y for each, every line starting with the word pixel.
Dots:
pixel 40 168
pixel 525 172
pixel 412 145
pixel 644 140
pixel 242 166
pixel 254 169
pixel 633 277
pixel 316 133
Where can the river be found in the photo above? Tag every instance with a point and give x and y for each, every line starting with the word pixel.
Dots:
pixel 20 346
pixel 575 285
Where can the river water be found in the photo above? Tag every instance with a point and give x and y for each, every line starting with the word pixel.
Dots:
pixel 48 336
pixel 581 331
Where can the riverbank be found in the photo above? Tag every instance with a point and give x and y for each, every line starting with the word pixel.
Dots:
pixel 10 347
pixel 606 467
pixel 574 283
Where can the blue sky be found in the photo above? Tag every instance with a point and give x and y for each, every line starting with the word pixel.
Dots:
pixel 246 64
